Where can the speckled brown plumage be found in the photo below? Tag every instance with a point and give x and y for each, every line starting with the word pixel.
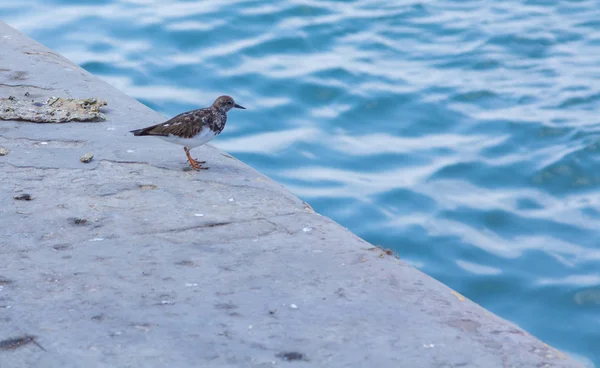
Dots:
pixel 188 124
pixel 193 128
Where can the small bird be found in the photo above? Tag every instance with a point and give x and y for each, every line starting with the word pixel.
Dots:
pixel 193 128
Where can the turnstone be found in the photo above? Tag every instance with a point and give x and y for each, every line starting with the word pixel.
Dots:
pixel 193 128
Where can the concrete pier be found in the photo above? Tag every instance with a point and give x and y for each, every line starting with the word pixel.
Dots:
pixel 131 261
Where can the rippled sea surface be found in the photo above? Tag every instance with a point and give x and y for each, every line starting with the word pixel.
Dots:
pixel 464 135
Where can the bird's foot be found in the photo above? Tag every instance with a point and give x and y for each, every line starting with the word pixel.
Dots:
pixel 196 165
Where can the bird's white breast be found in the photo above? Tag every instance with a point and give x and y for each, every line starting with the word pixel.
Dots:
pixel 204 136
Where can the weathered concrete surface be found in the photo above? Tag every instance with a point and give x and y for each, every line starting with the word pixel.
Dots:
pixel 51 110
pixel 146 281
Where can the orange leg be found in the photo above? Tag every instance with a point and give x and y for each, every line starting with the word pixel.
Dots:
pixel 195 164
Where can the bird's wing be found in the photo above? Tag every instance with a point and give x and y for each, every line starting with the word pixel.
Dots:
pixel 185 125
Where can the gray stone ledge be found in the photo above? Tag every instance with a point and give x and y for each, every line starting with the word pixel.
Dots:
pixel 130 261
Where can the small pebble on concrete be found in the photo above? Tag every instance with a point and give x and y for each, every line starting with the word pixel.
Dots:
pixel 23 197
pixel 78 221
pixel 291 355
pixel 87 157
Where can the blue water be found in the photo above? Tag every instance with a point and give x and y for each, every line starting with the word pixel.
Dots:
pixel 462 134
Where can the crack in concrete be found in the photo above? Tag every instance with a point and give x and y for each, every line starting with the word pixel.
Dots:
pixel 45 53
pixel 67 143
pixel 27 86
pixel 136 162
pixel 35 167
pixel 201 226
pixel 225 223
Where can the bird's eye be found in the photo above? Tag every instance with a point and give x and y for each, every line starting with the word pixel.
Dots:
pixel 229 102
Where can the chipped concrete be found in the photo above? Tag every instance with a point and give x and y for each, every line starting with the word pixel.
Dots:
pixel 132 261
pixel 51 110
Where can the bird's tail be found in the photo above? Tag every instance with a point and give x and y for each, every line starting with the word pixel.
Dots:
pixel 138 132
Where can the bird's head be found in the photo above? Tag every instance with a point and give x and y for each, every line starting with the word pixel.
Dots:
pixel 226 103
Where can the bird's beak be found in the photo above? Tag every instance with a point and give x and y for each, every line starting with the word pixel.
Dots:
pixel 239 107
